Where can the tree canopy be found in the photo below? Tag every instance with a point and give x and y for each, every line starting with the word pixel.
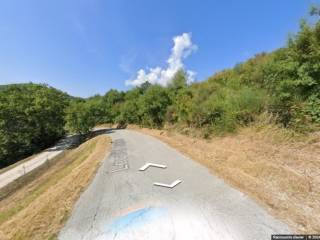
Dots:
pixel 31 118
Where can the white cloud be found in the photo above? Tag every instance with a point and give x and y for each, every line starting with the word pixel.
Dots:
pixel 182 48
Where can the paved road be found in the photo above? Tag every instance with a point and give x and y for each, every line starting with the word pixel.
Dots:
pixel 122 203
pixel 23 168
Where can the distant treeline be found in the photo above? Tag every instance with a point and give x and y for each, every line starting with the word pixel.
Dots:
pixel 285 84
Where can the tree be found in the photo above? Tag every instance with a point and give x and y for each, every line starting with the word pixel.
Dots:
pixel 129 109
pixel 80 117
pixel 98 109
pixel 314 10
pixel 153 106
pixel 111 102
pixel 31 118
pixel 179 80
pixel 144 87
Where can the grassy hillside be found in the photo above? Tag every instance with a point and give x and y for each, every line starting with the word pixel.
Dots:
pixel 45 198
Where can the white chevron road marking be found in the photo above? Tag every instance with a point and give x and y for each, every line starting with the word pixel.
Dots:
pixel 172 185
pixel 147 165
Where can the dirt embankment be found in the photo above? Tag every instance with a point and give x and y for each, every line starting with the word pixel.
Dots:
pixel 280 173
pixel 40 208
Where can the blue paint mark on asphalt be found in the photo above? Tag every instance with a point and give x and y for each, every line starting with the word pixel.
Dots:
pixel 137 218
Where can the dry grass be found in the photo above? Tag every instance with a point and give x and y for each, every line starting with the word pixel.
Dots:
pixel 282 173
pixel 39 209
pixel 106 125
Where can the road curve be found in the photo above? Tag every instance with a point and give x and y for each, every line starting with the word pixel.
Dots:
pixel 122 203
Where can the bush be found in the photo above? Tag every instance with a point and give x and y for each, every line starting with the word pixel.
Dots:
pixel 312 108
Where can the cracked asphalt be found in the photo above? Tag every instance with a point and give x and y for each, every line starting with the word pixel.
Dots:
pixel 122 203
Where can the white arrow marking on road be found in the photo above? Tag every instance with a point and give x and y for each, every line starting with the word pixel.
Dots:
pixel 172 185
pixel 144 167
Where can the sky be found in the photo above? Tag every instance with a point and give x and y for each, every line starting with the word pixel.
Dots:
pixel 86 47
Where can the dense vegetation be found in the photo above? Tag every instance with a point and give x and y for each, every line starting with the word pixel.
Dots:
pixel 31 118
pixel 284 83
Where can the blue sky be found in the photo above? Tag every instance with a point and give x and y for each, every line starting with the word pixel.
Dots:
pixel 86 47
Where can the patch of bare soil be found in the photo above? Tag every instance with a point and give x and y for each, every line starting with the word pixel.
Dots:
pixel 282 174
pixel 39 209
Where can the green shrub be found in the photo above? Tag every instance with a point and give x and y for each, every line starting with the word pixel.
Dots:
pixel 312 108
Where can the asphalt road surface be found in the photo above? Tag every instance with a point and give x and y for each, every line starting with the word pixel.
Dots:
pixel 35 162
pixel 122 202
